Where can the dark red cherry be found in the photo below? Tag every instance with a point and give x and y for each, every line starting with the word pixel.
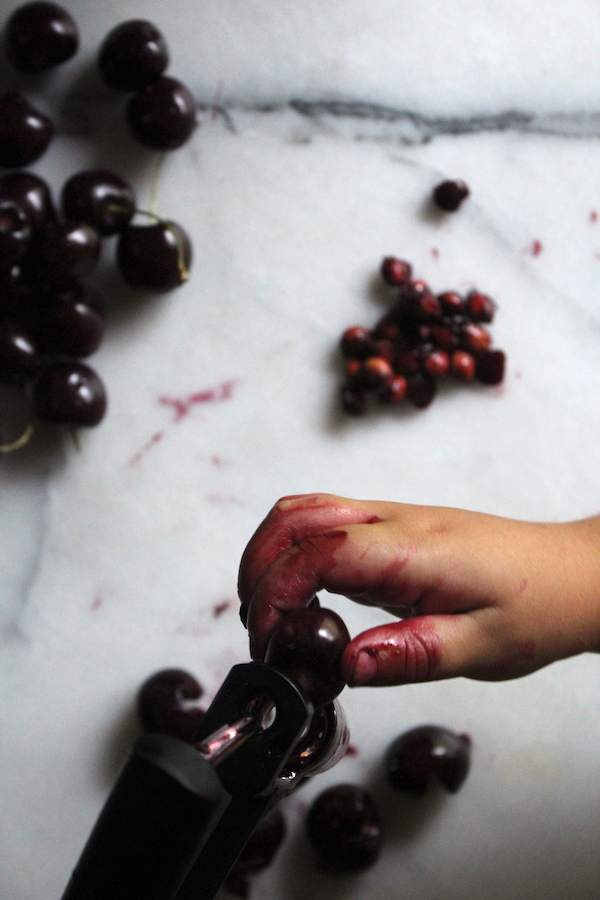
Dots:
pixel 167 703
pixel 132 55
pixel 489 366
pixel 307 645
pixel 19 357
pixel 436 363
pixel 156 257
pixel 32 194
pixel 15 233
pixel 376 373
pixel 343 825
pixel 162 115
pixel 40 36
pixel 24 131
pixel 66 250
pixel 70 321
pixel 448 195
pixel 17 294
pixel 474 337
pixel 69 393
pixel 258 853
pixel 425 755
pixel 99 198
pixel 395 271
pixel 451 303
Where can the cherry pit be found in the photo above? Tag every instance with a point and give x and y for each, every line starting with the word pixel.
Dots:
pixel 422 339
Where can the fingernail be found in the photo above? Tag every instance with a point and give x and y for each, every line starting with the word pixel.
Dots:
pixel 364 669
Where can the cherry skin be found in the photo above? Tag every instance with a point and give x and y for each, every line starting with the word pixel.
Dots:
pixel 66 250
pixel 428 754
pixel 99 198
pixel 132 55
pixel 39 36
pixel 69 393
pixel 156 257
pixel 32 194
pixel 19 357
pixel 25 133
pixel 490 366
pixel 162 115
pixel 356 343
pixel 343 825
pixel 70 321
pixel 15 233
pixel 167 704
pixel 307 645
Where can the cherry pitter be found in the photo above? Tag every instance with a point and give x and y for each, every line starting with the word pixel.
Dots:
pixel 180 813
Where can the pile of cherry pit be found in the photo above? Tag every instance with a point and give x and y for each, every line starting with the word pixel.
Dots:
pixel 50 319
pixel 342 822
pixel 422 339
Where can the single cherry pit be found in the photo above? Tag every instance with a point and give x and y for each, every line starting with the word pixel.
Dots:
pixel 423 339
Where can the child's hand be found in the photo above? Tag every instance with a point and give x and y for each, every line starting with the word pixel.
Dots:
pixel 478 595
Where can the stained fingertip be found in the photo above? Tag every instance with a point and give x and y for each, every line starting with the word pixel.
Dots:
pixel 362 669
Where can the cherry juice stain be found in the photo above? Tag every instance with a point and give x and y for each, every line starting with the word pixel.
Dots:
pixel 156 437
pixel 593 216
pixel 181 406
pixel 535 248
pixel 219 608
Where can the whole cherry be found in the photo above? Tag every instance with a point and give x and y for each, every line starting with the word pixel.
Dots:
pixel 343 825
pixel 39 36
pixel 428 754
pixel 156 256
pixel 25 132
pixel 167 703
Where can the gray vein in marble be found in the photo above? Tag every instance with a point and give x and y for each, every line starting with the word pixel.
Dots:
pixel 361 120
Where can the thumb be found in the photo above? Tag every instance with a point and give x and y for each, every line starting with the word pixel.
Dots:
pixel 428 648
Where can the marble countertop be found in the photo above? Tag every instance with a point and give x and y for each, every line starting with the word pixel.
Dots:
pixel 323 129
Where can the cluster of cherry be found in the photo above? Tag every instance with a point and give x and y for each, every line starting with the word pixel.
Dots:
pixel 342 822
pixel 420 340
pixel 50 319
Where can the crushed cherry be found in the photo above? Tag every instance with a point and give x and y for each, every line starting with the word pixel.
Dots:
pixel 167 703
pixel 448 195
pixel 425 755
pixel 420 341
pixel 307 645
pixel 343 825
pixel 39 36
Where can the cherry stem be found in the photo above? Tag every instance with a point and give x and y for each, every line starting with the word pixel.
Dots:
pixel 20 441
pixel 76 439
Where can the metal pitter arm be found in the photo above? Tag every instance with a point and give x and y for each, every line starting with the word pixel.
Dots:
pixel 180 814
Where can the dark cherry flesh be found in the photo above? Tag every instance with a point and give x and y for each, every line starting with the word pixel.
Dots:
pixel 258 853
pixel 156 256
pixel 99 198
pixel 19 357
pixel 32 194
pixel 69 393
pixel 307 645
pixel 343 825
pixel 162 115
pixel 167 704
pixel 39 36
pixel 15 233
pixel 66 250
pixel 70 321
pixel 25 133
pixel 489 366
pixel 132 55
pixel 426 755
pixel 448 195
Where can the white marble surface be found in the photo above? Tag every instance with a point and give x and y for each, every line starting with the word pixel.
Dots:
pixel 324 127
